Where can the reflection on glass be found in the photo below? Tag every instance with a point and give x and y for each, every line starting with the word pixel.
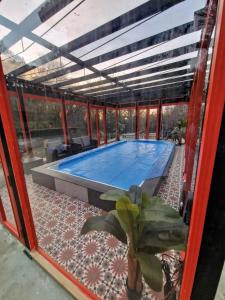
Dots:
pixel 101 125
pixel 93 124
pixel 126 123
pixel 111 124
pixel 45 124
pixel 172 116
pixel 152 122
pixel 142 123
pixel 76 117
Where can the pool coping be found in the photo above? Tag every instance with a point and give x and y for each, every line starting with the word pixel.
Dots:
pixel 74 186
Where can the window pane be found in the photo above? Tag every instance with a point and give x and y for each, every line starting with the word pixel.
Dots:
pixel 111 124
pixel 152 122
pixel 76 116
pixel 127 122
pixel 45 123
pixel 142 123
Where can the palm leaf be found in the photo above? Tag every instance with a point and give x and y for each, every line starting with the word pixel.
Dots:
pixel 108 223
pixel 112 195
pixel 151 269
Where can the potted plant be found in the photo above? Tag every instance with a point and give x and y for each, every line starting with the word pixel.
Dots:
pixel 148 227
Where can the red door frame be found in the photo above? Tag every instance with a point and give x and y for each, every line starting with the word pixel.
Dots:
pixel 210 134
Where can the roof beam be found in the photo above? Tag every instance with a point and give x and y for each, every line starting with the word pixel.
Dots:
pixel 123 77
pixel 122 94
pixel 138 45
pixel 150 94
pixel 143 80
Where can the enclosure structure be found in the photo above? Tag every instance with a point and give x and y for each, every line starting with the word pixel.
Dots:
pixel 75 76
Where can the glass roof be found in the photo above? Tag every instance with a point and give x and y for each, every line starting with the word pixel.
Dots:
pixel 94 47
pixel 17 11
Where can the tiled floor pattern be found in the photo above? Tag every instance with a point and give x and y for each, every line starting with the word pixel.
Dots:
pixel 171 186
pixel 97 260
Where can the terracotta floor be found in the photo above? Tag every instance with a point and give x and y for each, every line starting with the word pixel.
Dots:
pixel 97 260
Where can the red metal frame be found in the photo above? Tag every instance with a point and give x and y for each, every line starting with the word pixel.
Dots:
pixel 105 125
pixel 210 135
pixel 117 127
pixel 89 120
pixel 194 112
pixel 147 124
pixel 136 121
pixel 13 147
pixel 158 121
pixel 64 123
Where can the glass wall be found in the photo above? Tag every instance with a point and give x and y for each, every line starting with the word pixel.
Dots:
pixel 173 116
pixel 15 107
pixel 111 124
pixel 142 118
pixel 127 123
pixel 76 117
pixel 152 123
pixel 45 124
pixel 101 125
pixel 94 125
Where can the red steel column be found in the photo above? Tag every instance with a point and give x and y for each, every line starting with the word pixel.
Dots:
pixel 147 124
pixel 89 120
pixel 117 127
pixel 64 123
pixel 210 134
pixel 158 122
pixel 137 121
pixel 97 126
pixel 105 125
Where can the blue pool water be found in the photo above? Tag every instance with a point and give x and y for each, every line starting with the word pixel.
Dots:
pixel 120 164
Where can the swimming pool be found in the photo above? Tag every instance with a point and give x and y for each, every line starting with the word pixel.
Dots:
pixel 120 164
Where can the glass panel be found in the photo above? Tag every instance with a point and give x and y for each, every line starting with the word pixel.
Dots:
pixel 173 116
pixel 17 122
pixel 101 125
pixel 93 124
pixel 111 124
pixel 76 116
pixel 45 124
pixel 126 123
pixel 142 123
pixel 152 122
pixel 5 199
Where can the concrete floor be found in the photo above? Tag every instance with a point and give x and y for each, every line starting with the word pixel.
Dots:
pixel 22 278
